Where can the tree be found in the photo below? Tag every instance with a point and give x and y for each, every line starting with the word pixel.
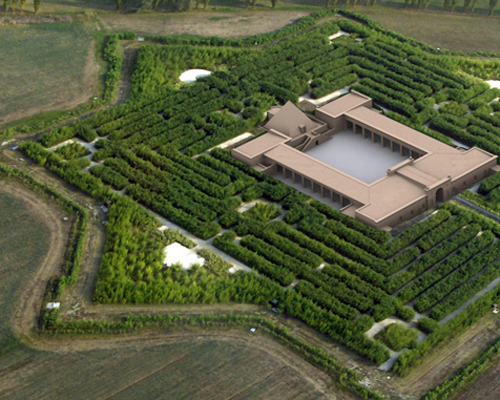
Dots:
pixel 466 5
pixel 147 4
pixel 473 6
pixel 274 2
pixel 118 4
pixel 6 5
pixel 493 4
pixel 205 4
pixel 453 4
pixel 36 5
pixel 22 3
pixel 426 4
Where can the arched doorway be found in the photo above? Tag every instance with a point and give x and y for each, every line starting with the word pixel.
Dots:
pixel 440 195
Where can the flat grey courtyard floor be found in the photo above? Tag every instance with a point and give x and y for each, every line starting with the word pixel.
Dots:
pixel 358 157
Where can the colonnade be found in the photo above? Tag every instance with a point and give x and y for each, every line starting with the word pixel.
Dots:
pixel 394 145
pixel 315 186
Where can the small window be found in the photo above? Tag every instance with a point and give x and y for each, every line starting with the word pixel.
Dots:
pixel 317 142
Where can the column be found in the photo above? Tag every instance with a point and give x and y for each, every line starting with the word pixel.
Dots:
pixel 313 187
pixel 401 149
pixel 392 145
pixel 341 201
pixel 373 137
pixel 284 172
pixel 322 191
pixel 382 141
pixel 331 195
pixel 303 182
pixel 293 176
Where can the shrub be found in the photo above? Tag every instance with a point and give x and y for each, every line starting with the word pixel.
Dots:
pixel 398 337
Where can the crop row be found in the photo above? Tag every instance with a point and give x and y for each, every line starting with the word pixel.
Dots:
pixel 465 292
pixel 377 235
pixel 443 268
pixel 460 275
pixel 341 246
pixel 432 257
pixel 329 255
pixel 442 232
pixel 279 274
pixel 488 184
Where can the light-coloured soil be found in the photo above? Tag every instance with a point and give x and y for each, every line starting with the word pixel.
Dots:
pixel 232 24
pixel 203 365
pixel 29 303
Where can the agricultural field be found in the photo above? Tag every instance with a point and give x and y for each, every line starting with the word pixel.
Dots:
pixel 457 31
pixel 18 260
pixel 49 67
pixel 155 366
pixel 228 24
pixel 485 387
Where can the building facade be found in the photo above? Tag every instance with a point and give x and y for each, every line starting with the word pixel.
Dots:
pixel 431 172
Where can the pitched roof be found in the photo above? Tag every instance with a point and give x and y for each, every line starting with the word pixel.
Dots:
pixel 288 121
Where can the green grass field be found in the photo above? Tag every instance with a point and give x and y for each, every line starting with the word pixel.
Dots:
pixel 46 66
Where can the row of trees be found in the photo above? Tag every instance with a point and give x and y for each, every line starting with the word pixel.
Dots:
pixel 13 5
pixel 459 275
pixel 442 266
pixel 142 151
pixel 429 259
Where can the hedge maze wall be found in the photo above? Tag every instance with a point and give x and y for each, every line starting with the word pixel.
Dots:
pixel 332 272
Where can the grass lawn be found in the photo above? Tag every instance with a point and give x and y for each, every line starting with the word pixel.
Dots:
pixel 45 67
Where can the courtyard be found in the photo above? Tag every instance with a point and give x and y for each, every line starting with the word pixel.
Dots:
pixel 358 157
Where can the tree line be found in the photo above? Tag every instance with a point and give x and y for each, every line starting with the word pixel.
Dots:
pixel 19 5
